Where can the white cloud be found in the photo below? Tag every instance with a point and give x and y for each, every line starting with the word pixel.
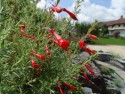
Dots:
pixel 45 4
pixel 91 11
pixel 41 4
pixel 119 4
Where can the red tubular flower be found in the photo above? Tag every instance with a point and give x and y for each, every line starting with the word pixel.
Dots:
pixel 64 44
pixel 34 64
pixel 57 9
pixel 47 50
pixel 70 14
pixel 89 51
pixel 82 44
pixel 58 37
pixel 85 76
pixel 90 70
pixel 70 86
pixel 28 36
pixel 93 37
pixel 60 89
pixel 42 57
pixel 23 26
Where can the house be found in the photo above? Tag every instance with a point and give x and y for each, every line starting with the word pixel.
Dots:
pixel 116 26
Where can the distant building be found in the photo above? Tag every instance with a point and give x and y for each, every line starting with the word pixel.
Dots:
pixel 116 26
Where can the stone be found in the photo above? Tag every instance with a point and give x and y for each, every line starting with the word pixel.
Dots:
pixel 116 63
pixel 120 60
pixel 105 57
pixel 80 58
pixel 87 90
pixel 100 51
pixel 105 80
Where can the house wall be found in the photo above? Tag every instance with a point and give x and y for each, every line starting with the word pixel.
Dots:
pixel 117 28
pixel 122 32
pixel 114 27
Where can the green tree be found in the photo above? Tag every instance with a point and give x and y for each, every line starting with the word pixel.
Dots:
pixel 82 28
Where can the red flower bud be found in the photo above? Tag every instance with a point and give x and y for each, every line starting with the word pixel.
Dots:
pixel 90 70
pixel 70 14
pixel 82 44
pixel 89 51
pixel 93 37
pixel 23 26
pixel 42 57
pixel 47 50
pixel 60 89
pixel 28 36
pixel 34 64
pixel 70 86
pixel 85 76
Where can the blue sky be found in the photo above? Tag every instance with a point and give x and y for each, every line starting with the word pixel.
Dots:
pixel 101 10
pixel 105 3
pixel 67 3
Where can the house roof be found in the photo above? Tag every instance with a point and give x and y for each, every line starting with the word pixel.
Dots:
pixel 119 21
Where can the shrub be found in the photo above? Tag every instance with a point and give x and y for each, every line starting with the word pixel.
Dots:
pixel 35 55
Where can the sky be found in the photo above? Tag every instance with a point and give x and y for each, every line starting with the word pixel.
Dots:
pixel 91 10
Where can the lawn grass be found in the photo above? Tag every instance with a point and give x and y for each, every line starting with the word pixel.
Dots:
pixel 110 41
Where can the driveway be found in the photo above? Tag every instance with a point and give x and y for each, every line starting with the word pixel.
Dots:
pixel 114 49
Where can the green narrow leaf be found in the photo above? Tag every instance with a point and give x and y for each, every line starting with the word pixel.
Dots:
pixel 4 19
pixel 2 44
pixel 57 2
